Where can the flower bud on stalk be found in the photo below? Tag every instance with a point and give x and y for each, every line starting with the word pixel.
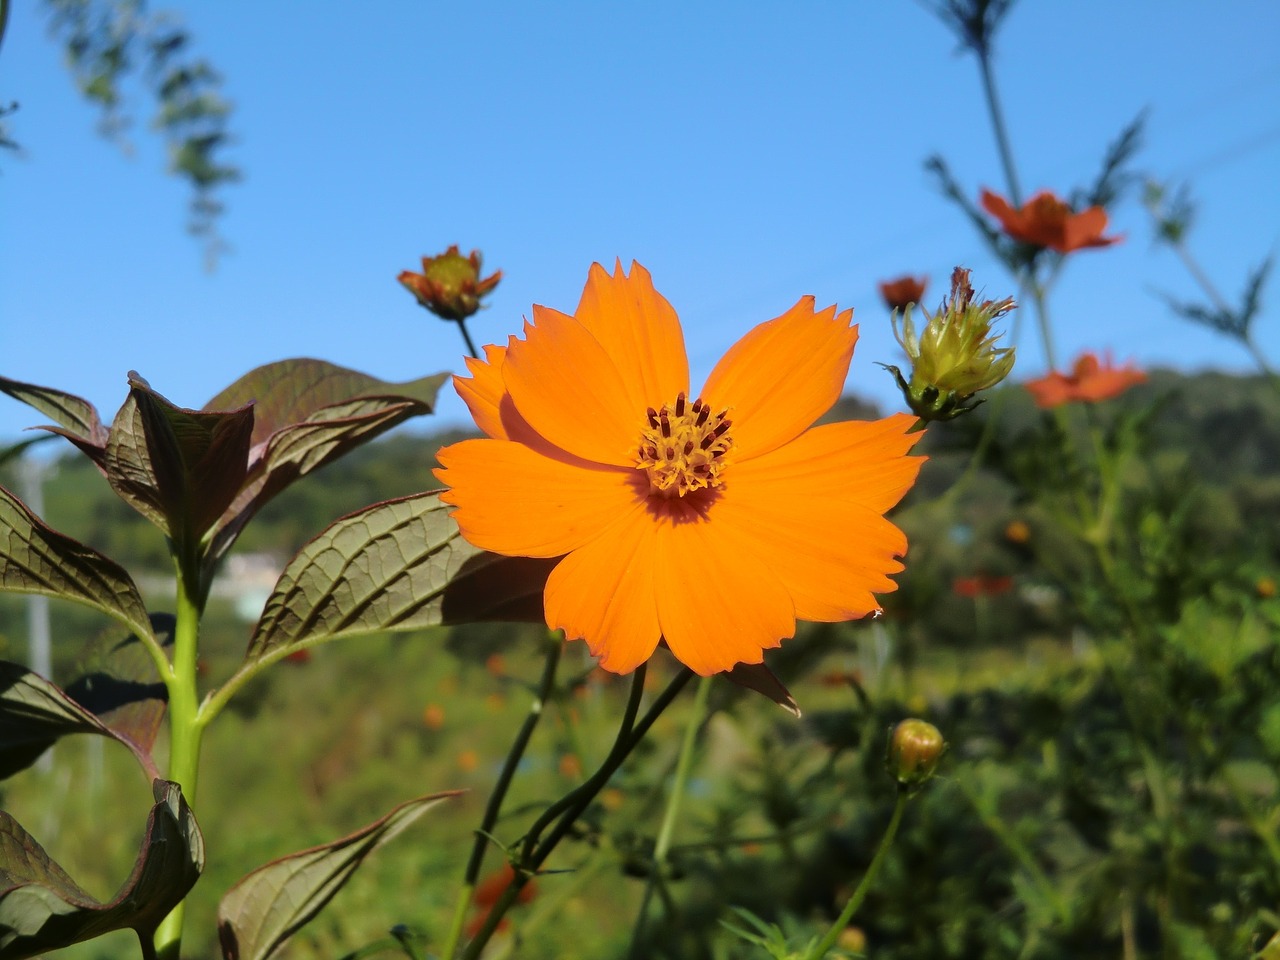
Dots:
pixel 915 747
pixel 955 355
pixel 449 284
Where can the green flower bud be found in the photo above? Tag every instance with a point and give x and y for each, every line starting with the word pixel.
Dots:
pixel 915 747
pixel 450 285
pixel 954 355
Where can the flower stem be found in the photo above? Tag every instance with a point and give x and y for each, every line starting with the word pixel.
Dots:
pixel 466 338
pixel 534 851
pixel 494 807
pixel 185 731
pixel 663 844
pixel 997 124
pixel 864 887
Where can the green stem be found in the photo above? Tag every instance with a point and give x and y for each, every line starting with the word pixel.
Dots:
pixel 997 124
pixel 663 844
pixel 534 852
pixel 1042 321
pixel 864 887
pixel 545 686
pixel 185 731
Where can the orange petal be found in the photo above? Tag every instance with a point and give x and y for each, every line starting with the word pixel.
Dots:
pixel 515 501
pixel 639 330
pixel 858 460
pixel 783 375
pixel 830 555
pixel 566 386
pixel 483 391
pixel 998 207
pixel 718 603
pixel 603 593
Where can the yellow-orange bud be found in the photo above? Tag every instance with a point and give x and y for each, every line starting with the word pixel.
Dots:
pixel 449 284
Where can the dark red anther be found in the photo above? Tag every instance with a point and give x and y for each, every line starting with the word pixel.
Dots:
pixel 688 447
pixel 666 424
pixel 680 404
pixel 703 414
pixel 653 417
pixel 671 454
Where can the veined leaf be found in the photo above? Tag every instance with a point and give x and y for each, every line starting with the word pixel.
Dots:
pixel 34 713
pixel 42 908
pixel 294 391
pixel 271 904
pixel 37 559
pixel 179 468
pixel 397 565
pixel 77 417
pixel 308 413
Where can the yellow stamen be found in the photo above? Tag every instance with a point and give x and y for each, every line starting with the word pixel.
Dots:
pixel 682 447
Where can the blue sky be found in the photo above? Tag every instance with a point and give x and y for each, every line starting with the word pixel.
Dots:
pixel 746 153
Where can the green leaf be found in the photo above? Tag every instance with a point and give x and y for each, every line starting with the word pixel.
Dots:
pixel 398 565
pixel 179 468
pixel 271 904
pixel 34 713
pixel 37 559
pixel 308 413
pixel 42 908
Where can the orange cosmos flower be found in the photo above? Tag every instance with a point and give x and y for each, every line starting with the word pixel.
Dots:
pixel 1046 221
pixel 1090 380
pixel 713 523
pixel 902 291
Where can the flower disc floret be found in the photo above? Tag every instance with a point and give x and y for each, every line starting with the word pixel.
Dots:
pixel 670 521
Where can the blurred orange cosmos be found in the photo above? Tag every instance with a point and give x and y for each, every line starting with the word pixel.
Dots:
pixel 490 890
pixel 902 291
pixel 674 521
pixel 1046 221
pixel 1090 380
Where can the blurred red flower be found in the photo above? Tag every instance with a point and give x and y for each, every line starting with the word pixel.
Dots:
pixel 1090 380
pixel 490 889
pixel 981 585
pixel 1046 221
pixel 902 291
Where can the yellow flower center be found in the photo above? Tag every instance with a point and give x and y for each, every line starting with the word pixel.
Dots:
pixel 682 447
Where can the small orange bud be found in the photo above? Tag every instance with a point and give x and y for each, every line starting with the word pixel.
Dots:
pixel 852 939
pixel 915 747
pixel 468 760
pixel 495 702
pixel 1266 588
pixel 612 799
pixel 496 665
pixel 899 293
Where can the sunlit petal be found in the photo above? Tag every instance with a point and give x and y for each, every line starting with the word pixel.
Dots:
pixel 515 501
pixel 829 555
pixel 567 387
pixel 639 330
pixel 603 593
pixel 483 391
pixel 783 375
pixel 718 603
pixel 858 460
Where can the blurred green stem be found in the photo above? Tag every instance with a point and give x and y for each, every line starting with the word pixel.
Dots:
pixel 185 731
pixel 997 124
pixel 864 887
pixel 494 807
pixel 662 846
pixel 466 338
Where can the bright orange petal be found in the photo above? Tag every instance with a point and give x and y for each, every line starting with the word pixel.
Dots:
pixel 718 603
pixel 483 391
pixel 565 385
pixel 998 207
pixel 830 555
pixel 515 501
pixel 862 461
pixel 639 330
pixel 603 593
pixel 783 375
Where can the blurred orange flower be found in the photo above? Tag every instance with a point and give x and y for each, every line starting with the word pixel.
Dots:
pixel 902 291
pixel 981 585
pixel 496 665
pixel 490 889
pixel 675 522
pixel 449 284
pixel 433 716
pixel 1046 221
pixel 468 760
pixel 1090 380
pixel 1017 531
